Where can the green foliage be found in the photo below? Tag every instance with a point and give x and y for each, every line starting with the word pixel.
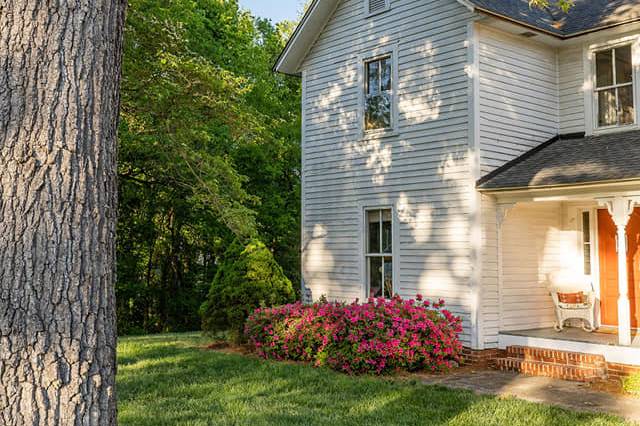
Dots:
pixel 248 278
pixel 209 150
pixel 563 5
pixel 631 384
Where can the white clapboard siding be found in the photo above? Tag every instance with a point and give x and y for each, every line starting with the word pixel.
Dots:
pixel 532 248
pixel 518 97
pixel 422 170
pixel 489 294
pixel 571 81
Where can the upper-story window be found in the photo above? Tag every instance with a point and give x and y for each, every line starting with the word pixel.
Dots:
pixel 614 87
pixel 378 93
pixel 376 6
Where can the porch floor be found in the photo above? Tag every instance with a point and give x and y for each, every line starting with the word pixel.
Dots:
pixel 574 334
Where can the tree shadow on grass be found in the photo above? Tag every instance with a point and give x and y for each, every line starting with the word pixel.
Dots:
pixel 166 383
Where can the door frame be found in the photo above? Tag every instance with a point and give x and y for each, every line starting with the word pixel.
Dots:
pixel 595 264
pixel 595 252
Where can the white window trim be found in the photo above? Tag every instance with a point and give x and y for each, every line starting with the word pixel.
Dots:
pixel 395 240
pixel 592 242
pixel 591 108
pixel 372 55
pixel 369 14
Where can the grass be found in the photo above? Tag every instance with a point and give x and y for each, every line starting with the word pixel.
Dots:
pixel 171 380
pixel 631 384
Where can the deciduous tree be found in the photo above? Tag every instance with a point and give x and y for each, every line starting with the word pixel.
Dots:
pixel 59 77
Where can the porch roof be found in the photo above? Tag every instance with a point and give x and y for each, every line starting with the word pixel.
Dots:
pixel 570 160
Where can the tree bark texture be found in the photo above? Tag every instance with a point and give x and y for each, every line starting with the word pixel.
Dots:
pixel 60 66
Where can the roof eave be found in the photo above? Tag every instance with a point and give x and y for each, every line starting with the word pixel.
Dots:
pixel 304 36
pixel 514 189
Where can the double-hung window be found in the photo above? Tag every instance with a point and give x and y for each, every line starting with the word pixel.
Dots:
pixel 379 253
pixel 378 93
pixel 614 87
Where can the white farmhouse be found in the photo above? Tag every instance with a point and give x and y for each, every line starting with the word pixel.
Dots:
pixel 483 152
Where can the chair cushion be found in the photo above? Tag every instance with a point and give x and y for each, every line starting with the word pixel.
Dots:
pixel 572 298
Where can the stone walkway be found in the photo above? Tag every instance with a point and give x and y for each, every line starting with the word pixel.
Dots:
pixel 571 395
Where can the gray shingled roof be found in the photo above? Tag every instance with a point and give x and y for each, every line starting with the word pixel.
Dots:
pixel 571 160
pixel 586 15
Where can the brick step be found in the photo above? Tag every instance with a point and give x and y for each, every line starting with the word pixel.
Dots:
pixel 549 369
pixel 556 357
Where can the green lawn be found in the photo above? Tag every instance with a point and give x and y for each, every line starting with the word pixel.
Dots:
pixel 169 380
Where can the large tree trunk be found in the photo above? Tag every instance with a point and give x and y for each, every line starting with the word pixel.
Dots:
pixel 59 77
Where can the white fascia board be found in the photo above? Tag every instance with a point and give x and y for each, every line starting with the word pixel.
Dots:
pixel 304 36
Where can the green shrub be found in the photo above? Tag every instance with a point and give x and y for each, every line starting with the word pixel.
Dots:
pixel 631 384
pixel 248 278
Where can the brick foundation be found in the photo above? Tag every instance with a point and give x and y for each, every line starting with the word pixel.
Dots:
pixel 561 365
pixel 485 357
pixel 617 372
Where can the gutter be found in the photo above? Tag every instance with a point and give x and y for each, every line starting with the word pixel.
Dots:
pixel 558 186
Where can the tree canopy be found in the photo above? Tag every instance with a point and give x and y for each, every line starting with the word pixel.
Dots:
pixel 209 151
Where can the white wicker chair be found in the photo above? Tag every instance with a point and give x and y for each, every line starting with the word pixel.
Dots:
pixel 569 282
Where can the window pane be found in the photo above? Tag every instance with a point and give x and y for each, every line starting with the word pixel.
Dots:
pixel 625 98
pixel 586 233
pixel 373 239
pixel 586 243
pixel 623 65
pixel 373 84
pixel 587 259
pixel 388 277
pixel 604 68
pixel 607 107
pixel 374 266
pixel 385 74
pixel 387 243
pixel 378 111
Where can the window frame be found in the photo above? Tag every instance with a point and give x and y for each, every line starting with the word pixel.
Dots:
pixel 369 13
pixel 592 242
pixel 381 52
pixel 365 255
pixel 591 98
pixel 366 89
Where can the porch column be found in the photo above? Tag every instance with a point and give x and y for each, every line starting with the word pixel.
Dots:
pixel 620 209
pixel 502 209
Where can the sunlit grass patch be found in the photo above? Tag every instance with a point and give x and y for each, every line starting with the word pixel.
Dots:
pixel 173 380
pixel 631 384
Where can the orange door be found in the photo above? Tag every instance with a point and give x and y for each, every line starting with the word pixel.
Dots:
pixel 633 260
pixel 609 268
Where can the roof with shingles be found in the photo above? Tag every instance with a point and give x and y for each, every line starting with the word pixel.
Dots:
pixel 585 15
pixel 571 160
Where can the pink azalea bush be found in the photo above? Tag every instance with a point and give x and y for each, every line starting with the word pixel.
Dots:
pixel 375 337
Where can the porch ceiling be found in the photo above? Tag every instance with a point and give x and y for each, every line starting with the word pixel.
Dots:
pixel 570 160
